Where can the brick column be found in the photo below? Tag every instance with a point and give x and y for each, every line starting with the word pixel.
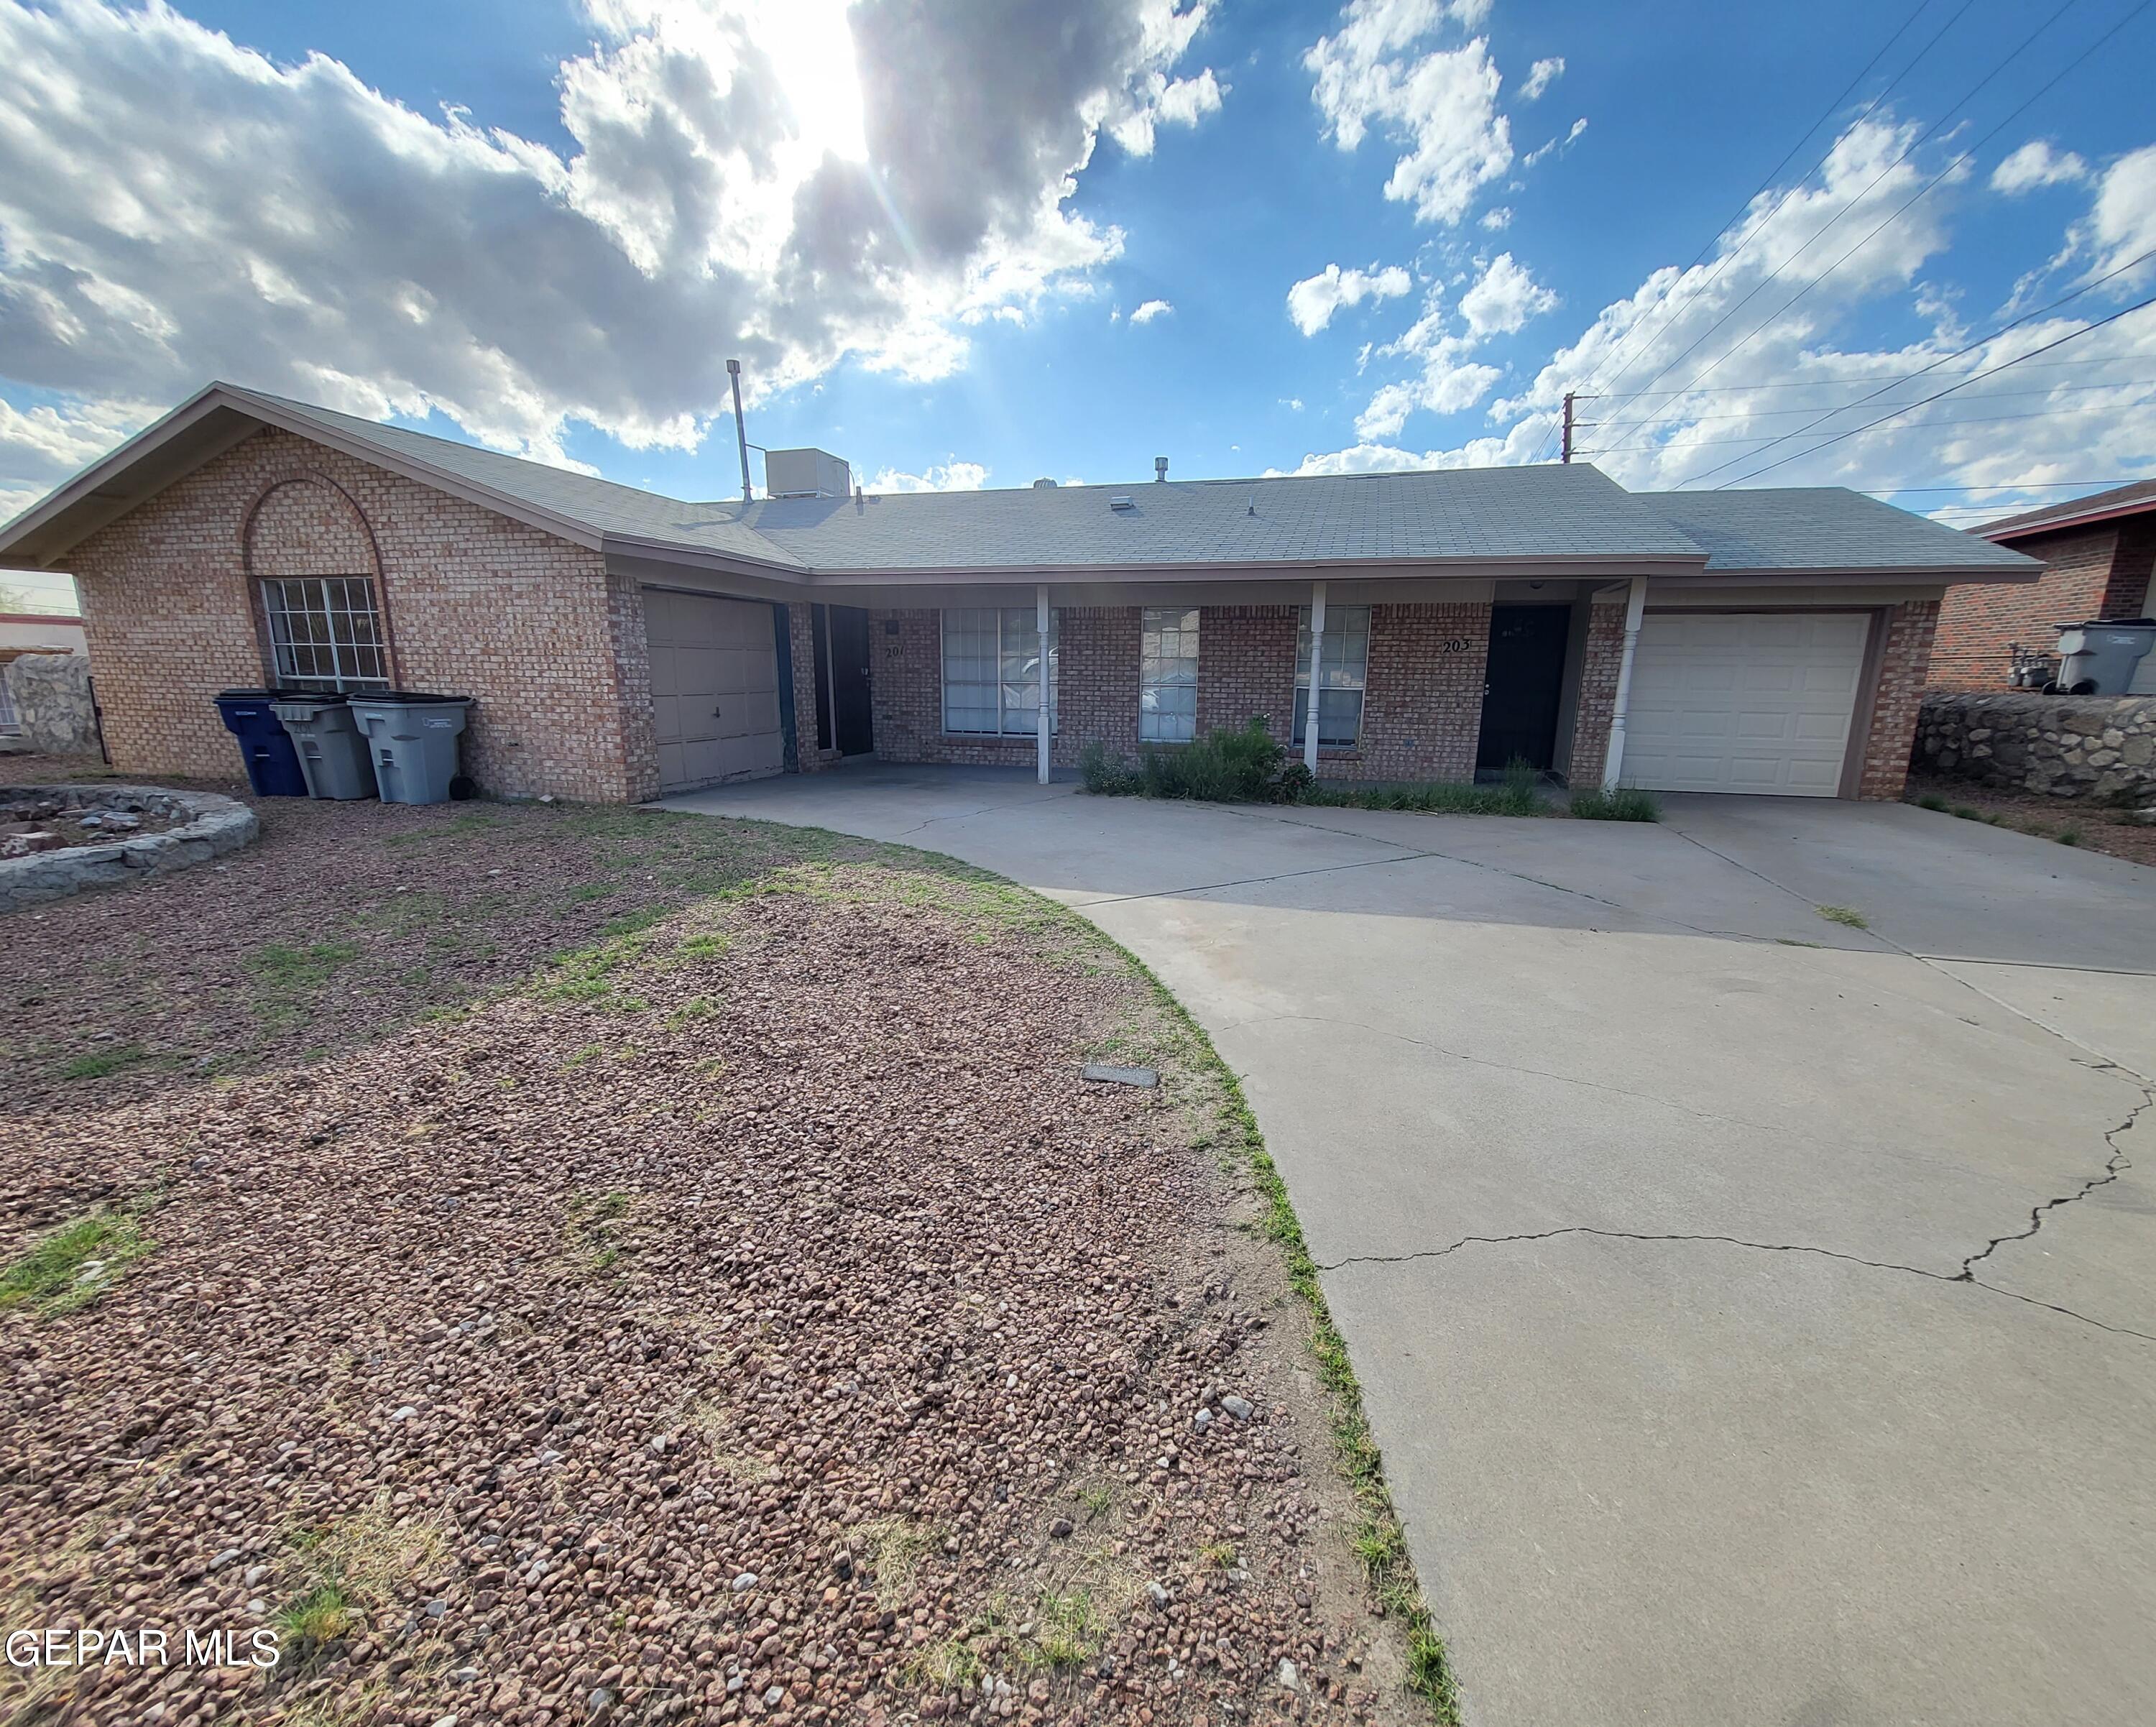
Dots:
pixel 1903 665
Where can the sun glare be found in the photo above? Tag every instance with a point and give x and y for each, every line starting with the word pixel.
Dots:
pixel 812 49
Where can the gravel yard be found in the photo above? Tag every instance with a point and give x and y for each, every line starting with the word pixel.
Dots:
pixel 2094 826
pixel 553 1266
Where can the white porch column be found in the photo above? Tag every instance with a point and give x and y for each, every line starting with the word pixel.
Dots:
pixel 1613 763
pixel 1316 664
pixel 1041 730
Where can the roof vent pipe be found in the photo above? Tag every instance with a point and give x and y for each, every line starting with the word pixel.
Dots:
pixel 1159 469
pixel 741 430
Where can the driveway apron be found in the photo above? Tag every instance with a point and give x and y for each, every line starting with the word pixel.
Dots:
pixel 1758 1312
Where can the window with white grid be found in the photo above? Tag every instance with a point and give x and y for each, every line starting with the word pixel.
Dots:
pixel 1346 657
pixel 992 671
pixel 1168 675
pixel 326 633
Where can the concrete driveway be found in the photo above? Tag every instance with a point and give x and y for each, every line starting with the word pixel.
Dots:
pixel 1758 1313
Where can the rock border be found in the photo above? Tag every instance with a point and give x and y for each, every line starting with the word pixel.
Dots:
pixel 2097 746
pixel 207 824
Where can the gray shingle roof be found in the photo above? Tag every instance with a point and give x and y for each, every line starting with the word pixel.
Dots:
pixel 1825 528
pixel 1470 516
pixel 600 504
pixel 1477 514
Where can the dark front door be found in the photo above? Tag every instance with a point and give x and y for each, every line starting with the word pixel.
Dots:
pixel 852 720
pixel 1524 679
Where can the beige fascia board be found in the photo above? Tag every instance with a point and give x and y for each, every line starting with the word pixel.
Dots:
pixel 1930 573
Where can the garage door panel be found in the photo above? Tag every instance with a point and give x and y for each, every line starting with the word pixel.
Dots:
pixel 1744 702
pixel 715 709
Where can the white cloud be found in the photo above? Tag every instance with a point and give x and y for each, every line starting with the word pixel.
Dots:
pixel 1541 76
pixel 954 476
pixel 2122 223
pixel 1555 146
pixel 2034 164
pixel 1312 301
pixel 1450 382
pixel 1437 105
pixel 1292 403
pixel 1778 363
pixel 1504 298
pixel 175 207
pixel 1497 219
pixel 1151 309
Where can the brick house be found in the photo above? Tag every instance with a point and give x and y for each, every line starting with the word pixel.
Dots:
pixel 2096 554
pixel 619 644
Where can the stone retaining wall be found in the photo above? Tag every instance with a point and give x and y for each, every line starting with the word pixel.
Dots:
pixel 2069 746
pixel 50 694
pixel 205 825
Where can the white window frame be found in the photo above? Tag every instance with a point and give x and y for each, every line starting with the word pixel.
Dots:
pixel 326 633
pixel 1162 671
pixel 1016 634
pixel 1345 675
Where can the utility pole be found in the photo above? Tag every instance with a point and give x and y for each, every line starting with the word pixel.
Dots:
pixel 741 427
pixel 1565 454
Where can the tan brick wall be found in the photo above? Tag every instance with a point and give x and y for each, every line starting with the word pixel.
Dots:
pixel 1421 715
pixel 1422 706
pixel 475 604
pixel 1096 689
pixel 1903 665
pixel 1602 658
pixel 1246 668
pixel 2087 577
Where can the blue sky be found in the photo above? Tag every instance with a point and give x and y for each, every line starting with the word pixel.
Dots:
pixel 545 226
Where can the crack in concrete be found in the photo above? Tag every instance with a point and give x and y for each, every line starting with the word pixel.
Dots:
pixel 1962 1277
pixel 2117 1164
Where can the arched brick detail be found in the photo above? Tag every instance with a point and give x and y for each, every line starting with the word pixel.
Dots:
pixel 305 524
pixel 308 524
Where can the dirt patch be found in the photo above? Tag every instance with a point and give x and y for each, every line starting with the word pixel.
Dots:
pixel 2094 827
pixel 748 1312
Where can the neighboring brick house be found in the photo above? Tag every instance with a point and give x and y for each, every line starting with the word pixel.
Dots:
pixel 2096 552
pixel 619 644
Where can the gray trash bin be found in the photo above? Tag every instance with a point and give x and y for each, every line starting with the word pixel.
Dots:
pixel 2104 656
pixel 333 755
pixel 414 740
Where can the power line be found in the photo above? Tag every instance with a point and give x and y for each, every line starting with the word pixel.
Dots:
pixel 1802 137
pixel 1931 184
pixel 1612 425
pixel 1818 383
pixel 1770 441
pixel 1911 406
pixel 1756 228
pixel 2012 55
pixel 1962 352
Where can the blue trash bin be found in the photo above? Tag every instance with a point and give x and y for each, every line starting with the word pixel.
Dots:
pixel 273 765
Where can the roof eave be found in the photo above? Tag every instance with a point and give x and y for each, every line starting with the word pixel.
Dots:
pixel 2030 530
pixel 159 435
pixel 1243 568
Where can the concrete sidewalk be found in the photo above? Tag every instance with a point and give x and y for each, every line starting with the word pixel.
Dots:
pixel 1758 1313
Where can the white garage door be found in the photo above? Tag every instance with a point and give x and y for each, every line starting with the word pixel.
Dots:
pixel 714 688
pixel 1744 703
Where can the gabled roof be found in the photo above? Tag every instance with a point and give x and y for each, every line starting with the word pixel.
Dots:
pixel 1828 530
pixel 1565 517
pixel 2135 499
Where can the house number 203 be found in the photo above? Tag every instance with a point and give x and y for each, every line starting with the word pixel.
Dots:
pixel 1454 645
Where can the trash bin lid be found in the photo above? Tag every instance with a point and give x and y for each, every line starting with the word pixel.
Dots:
pixel 406 696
